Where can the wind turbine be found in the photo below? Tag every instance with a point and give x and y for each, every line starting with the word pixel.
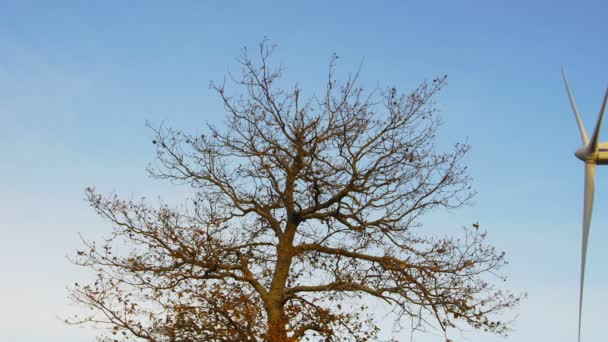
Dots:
pixel 592 153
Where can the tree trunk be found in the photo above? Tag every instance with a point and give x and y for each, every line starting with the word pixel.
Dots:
pixel 277 331
pixel 277 321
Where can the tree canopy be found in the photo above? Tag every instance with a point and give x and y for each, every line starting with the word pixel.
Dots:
pixel 305 209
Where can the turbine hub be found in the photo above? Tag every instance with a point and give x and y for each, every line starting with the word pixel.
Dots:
pixel 584 155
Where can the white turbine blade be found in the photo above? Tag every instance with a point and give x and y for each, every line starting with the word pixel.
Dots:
pixel 581 127
pixel 596 132
pixel 587 210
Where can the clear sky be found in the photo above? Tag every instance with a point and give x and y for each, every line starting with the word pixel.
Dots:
pixel 78 81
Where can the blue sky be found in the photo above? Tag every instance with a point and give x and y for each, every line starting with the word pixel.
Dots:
pixel 78 81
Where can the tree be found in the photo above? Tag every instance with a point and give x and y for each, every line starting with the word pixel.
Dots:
pixel 304 209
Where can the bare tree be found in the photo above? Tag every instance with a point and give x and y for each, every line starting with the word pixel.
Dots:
pixel 304 210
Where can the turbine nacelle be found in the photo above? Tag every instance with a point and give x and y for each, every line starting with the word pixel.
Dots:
pixel 593 152
pixel 598 156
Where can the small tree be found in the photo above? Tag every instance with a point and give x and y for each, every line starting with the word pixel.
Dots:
pixel 303 209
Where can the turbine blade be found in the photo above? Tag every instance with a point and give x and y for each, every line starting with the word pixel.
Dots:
pixel 596 132
pixel 587 210
pixel 581 127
